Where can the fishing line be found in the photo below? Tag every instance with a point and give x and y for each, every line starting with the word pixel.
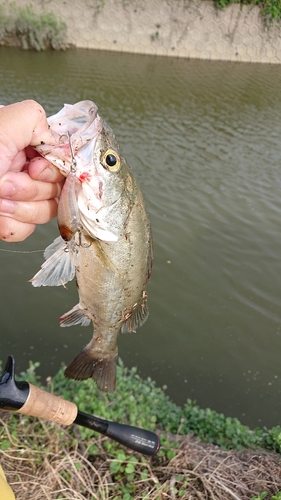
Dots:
pixel 20 251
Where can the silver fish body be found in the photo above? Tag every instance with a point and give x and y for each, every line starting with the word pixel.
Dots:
pixel 105 239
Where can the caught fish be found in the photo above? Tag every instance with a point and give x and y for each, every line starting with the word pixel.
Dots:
pixel 105 238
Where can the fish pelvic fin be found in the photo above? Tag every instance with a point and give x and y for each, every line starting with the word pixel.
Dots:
pixel 75 316
pixel 136 316
pixel 89 365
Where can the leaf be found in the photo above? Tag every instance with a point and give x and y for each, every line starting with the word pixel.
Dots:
pixel 5 444
pixel 130 468
pixel 115 466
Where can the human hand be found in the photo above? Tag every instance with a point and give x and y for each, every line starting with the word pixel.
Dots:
pixel 29 184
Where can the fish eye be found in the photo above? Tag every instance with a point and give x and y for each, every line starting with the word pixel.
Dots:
pixel 110 160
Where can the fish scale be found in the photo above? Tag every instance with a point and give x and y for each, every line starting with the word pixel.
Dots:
pixel 105 239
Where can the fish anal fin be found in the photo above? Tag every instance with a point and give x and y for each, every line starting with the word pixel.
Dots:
pixel 136 316
pixel 75 316
pixel 101 369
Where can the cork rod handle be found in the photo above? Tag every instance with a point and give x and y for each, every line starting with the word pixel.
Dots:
pixel 49 407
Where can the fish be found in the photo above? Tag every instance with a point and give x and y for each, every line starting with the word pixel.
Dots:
pixel 105 239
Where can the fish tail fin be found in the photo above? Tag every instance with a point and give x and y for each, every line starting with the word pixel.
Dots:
pixel 89 365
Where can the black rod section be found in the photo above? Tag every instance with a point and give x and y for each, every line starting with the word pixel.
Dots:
pixel 14 395
pixel 137 439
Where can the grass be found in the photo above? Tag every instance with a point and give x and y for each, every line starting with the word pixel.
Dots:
pixel 22 26
pixel 270 10
pixel 143 404
pixel 204 455
pixel 44 461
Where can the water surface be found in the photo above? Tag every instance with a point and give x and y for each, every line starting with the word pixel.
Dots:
pixel 204 141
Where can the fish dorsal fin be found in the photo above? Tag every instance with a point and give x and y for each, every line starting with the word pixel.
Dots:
pixel 137 317
pixel 59 268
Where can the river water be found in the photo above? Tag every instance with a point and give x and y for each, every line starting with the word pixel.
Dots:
pixel 204 141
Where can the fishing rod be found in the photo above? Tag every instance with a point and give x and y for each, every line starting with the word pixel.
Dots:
pixel 27 399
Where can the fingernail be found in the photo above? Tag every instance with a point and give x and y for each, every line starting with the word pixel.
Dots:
pixel 7 206
pixel 8 189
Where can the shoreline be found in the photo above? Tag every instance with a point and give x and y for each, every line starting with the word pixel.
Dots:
pixel 179 28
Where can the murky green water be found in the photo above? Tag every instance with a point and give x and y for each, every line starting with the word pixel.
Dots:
pixel 204 141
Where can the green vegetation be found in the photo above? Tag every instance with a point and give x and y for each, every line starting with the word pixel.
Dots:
pixel 31 29
pixel 264 494
pixel 141 403
pixel 24 27
pixel 270 10
pixel 198 458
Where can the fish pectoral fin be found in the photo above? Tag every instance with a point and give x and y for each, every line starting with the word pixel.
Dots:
pixel 59 267
pixel 53 247
pixel 75 316
pixel 91 364
pixel 136 317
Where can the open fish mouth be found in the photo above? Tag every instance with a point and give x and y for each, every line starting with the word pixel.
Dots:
pixel 75 117
pixel 82 123
pixel 105 238
pixel 78 131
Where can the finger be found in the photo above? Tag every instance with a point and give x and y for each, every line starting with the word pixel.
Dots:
pixel 22 124
pixel 16 164
pixel 25 123
pixel 34 212
pixel 19 186
pixel 42 170
pixel 12 230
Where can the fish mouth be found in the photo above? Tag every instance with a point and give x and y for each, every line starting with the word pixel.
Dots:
pixel 75 126
pixel 73 118
pixel 76 130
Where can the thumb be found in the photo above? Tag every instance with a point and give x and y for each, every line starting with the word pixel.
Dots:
pixel 23 124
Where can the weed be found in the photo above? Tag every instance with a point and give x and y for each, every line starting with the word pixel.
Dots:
pixel 270 10
pixel 90 467
pixel 264 494
pixel 140 403
pixel 29 29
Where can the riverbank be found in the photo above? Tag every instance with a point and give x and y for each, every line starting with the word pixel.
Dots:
pixel 43 460
pixel 182 28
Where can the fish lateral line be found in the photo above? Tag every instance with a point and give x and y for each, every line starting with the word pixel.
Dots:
pixel 101 204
